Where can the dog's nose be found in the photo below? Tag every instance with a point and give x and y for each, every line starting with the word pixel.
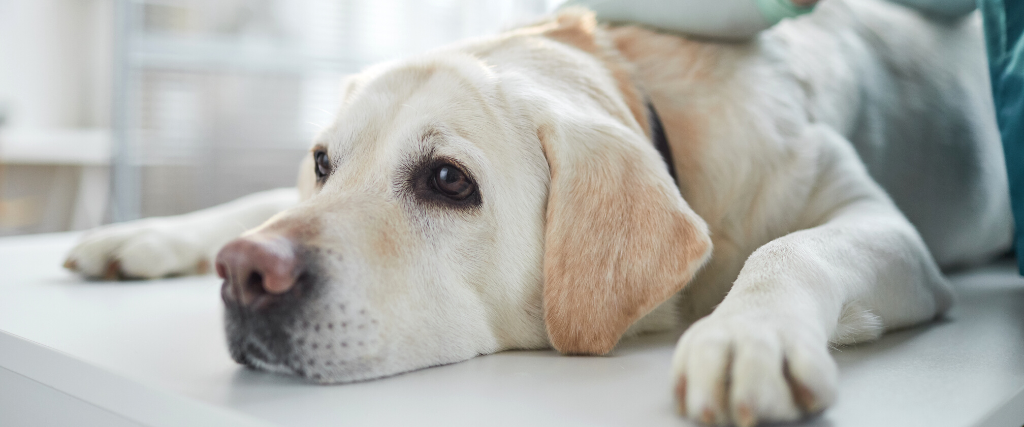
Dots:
pixel 257 269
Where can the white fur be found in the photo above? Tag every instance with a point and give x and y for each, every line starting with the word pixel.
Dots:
pixel 822 138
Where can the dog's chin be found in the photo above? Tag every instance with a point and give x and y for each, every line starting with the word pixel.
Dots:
pixel 265 353
pixel 253 355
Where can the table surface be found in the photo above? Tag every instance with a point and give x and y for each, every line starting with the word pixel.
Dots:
pixel 153 353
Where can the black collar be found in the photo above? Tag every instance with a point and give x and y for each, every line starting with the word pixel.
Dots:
pixel 660 140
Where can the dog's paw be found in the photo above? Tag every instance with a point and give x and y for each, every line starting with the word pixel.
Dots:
pixel 144 249
pixel 747 369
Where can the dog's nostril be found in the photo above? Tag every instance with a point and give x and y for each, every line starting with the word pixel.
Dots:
pixel 257 269
pixel 254 284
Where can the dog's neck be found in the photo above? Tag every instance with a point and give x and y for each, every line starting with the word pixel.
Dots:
pixel 580 30
pixel 659 139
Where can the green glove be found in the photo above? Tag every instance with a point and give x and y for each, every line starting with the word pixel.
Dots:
pixel 722 19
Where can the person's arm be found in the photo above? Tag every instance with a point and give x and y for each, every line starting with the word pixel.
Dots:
pixel 734 19
pixel 941 8
pixel 721 19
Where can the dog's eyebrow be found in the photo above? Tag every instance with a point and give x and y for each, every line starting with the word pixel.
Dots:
pixel 318 147
pixel 429 133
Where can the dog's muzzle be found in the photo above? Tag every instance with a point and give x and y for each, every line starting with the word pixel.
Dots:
pixel 262 290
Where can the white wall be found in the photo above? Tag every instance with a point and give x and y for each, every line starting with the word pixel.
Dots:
pixel 55 71
pixel 55 63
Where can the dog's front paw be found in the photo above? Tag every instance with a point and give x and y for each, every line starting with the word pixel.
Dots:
pixel 746 369
pixel 144 249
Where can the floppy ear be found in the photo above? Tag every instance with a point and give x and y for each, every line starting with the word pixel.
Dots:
pixel 619 238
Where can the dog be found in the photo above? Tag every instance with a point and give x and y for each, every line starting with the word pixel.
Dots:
pixel 507 193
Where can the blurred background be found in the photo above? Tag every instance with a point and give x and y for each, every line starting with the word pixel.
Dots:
pixel 113 110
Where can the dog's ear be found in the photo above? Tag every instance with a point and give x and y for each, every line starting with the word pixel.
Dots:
pixel 619 238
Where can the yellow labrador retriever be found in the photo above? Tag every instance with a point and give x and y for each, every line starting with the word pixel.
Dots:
pixel 505 193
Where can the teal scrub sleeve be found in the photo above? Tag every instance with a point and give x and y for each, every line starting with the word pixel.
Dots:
pixel 1004 40
pixel 949 9
pixel 719 19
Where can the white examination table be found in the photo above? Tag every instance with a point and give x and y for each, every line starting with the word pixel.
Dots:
pixel 153 353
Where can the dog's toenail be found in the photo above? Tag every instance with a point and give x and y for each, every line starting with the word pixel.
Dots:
pixel 681 396
pixel 113 271
pixel 707 416
pixel 745 417
pixel 203 266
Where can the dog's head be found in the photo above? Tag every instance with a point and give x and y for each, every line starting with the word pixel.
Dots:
pixel 500 194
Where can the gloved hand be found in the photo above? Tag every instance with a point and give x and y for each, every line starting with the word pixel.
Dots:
pixel 947 9
pixel 720 19
pixel 734 19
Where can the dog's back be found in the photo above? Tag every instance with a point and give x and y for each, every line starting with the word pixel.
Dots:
pixel 925 126
pixel 910 93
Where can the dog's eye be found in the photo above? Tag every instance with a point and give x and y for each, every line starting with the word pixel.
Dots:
pixel 452 182
pixel 322 164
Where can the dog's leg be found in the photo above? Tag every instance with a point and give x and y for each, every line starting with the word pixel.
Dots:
pixel 183 244
pixel 860 267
